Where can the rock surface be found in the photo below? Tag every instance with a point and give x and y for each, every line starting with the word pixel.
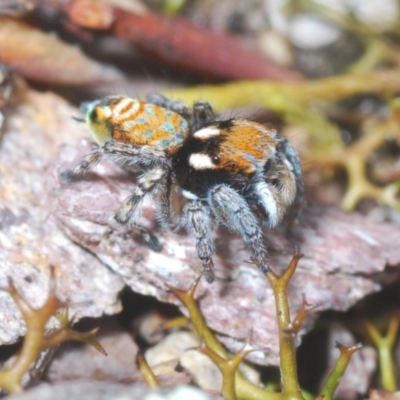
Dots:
pixel 71 226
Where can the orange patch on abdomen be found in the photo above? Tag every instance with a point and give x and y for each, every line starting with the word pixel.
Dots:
pixel 245 145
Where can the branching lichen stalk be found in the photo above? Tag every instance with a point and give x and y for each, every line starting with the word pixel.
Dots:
pixel 288 364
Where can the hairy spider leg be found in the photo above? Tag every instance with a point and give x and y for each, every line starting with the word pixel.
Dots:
pixel 233 211
pixel 122 153
pixel 197 222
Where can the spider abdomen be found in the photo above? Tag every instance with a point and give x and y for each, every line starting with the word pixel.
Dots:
pixel 135 122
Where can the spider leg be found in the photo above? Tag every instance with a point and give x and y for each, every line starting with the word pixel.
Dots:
pixel 121 153
pixel 271 200
pixel 232 210
pixel 147 183
pixel 197 221
pixel 131 154
pixel 150 239
pixel 281 186
pixel 293 160
pixel 166 216
pixel 277 190
pixel 286 186
pixel 293 181
pixel 203 114
pixel 90 161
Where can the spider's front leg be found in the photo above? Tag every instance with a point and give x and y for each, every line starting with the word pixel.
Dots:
pixel 90 161
pixel 147 183
pixel 203 114
pixel 232 210
pixel 166 216
pixel 121 153
pixel 197 221
pixel 126 154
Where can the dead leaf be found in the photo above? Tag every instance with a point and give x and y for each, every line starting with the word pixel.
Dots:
pixel 45 58
pixel 90 14
pixel 179 42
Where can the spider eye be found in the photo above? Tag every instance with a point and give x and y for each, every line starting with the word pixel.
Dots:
pixel 216 160
pixel 93 115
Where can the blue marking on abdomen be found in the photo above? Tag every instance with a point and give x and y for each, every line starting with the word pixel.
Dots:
pixel 142 120
pixel 167 126
pixel 164 143
pixel 149 108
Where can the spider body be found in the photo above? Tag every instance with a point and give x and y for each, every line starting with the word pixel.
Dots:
pixel 237 173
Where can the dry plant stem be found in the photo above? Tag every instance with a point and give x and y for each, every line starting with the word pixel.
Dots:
pixel 36 321
pixel 187 298
pixel 37 339
pixel 287 345
pixel 298 322
pixel 228 368
pixel 66 333
pixel 335 376
pixel 385 346
pixel 175 323
pixel 244 389
pixel 181 43
pixel 378 50
pixel 354 159
pixel 147 372
pixel 296 101
pixel 282 96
